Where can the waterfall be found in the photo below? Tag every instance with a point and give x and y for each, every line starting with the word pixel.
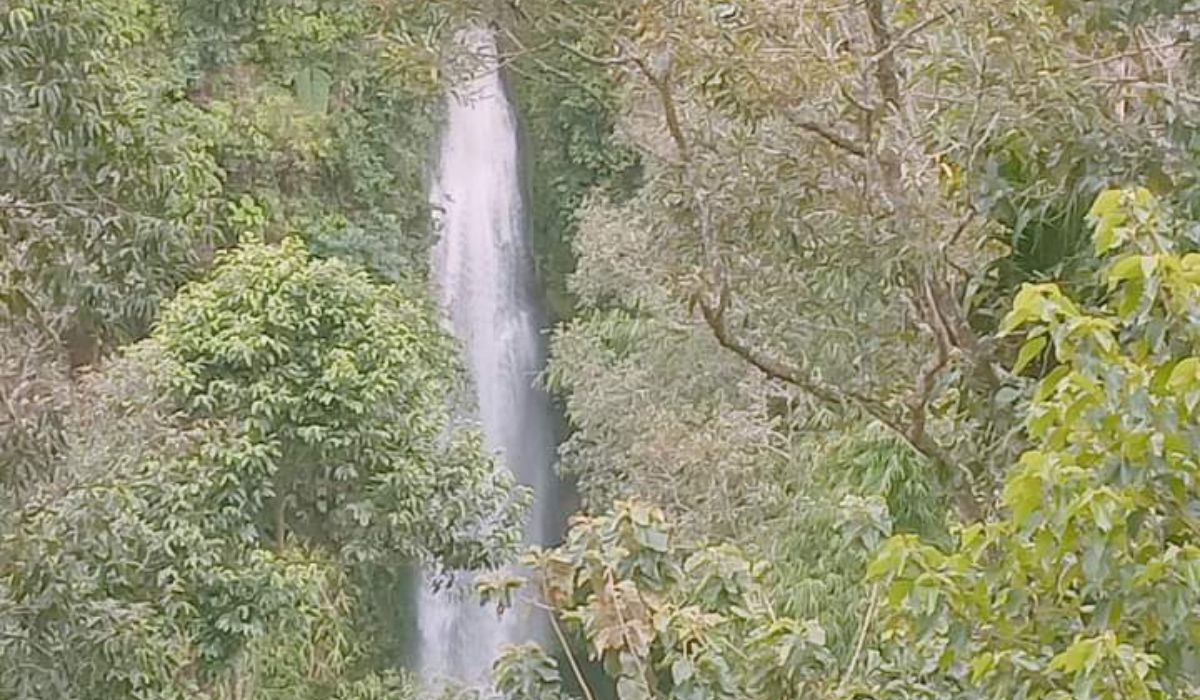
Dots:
pixel 489 295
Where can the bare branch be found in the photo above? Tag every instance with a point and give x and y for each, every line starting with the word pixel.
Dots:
pixel 660 82
pixel 549 68
pixel 672 117
pixel 714 317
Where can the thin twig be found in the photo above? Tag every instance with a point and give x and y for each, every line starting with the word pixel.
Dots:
pixel 907 34
pixel 862 636
pixel 1130 54
pixel 562 640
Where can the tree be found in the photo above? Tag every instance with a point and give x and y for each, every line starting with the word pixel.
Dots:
pixel 568 109
pixel 351 383
pixel 1087 586
pixel 140 138
pixel 823 185
pixel 109 199
pixel 137 572
pixel 286 424
pixel 837 203
pixel 110 189
pixel 331 110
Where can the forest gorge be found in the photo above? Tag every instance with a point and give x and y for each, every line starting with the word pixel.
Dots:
pixel 874 328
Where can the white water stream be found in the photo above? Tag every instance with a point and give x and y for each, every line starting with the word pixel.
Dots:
pixel 489 295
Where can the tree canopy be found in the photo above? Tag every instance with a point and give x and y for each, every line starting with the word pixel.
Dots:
pixel 289 420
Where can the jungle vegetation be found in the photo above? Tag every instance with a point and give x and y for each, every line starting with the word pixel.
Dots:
pixel 876 328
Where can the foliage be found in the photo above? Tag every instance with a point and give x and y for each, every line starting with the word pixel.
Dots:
pixel 330 109
pixel 567 107
pixel 385 686
pixel 348 380
pixel 740 464
pixel 667 619
pixel 1086 587
pixel 1083 589
pixel 141 576
pixel 288 418
pixel 837 195
pixel 140 137
pixel 109 185
pixel 837 202
pixel 527 672
pixel 782 236
pixel 37 391
pixel 639 394
pixel 855 495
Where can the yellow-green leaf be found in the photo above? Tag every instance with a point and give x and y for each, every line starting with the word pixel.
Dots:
pixel 1077 656
pixel 1030 351
pixel 1183 375
pixel 1108 202
pixel 1124 269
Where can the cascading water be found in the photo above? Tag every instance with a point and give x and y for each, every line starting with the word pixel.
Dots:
pixel 488 291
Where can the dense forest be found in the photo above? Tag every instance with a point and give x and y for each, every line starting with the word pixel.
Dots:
pixel 873 328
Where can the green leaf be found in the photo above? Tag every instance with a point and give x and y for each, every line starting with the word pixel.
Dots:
pixel 1023 494
pixel 1126 268
pixel 1108 216
pixel 1183 376
pixel 1029 351
pixel 981 665
pixel 1107 202
pixel 1051 381
pixel 1080 655
pixel 1026 307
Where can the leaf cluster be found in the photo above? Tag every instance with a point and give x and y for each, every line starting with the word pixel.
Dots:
pixel 669 621
pixel 1085 587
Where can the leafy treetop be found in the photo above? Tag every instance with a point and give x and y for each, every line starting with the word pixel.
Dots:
pixel 350 383
pixel 1089 584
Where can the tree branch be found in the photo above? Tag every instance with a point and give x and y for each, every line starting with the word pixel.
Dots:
pixel 927 308
pixel 714 317
pixel 566 647
pixel 660 82
pixel 913 434
pixel 672 117
pixel 550 69
pixel 868 620
pixel 829 135
pixel 884 59
pixel 895 44
pixel 832 396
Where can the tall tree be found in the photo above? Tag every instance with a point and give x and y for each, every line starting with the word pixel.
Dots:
pixel 286 424
pixel 350 383
pixel 824 186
